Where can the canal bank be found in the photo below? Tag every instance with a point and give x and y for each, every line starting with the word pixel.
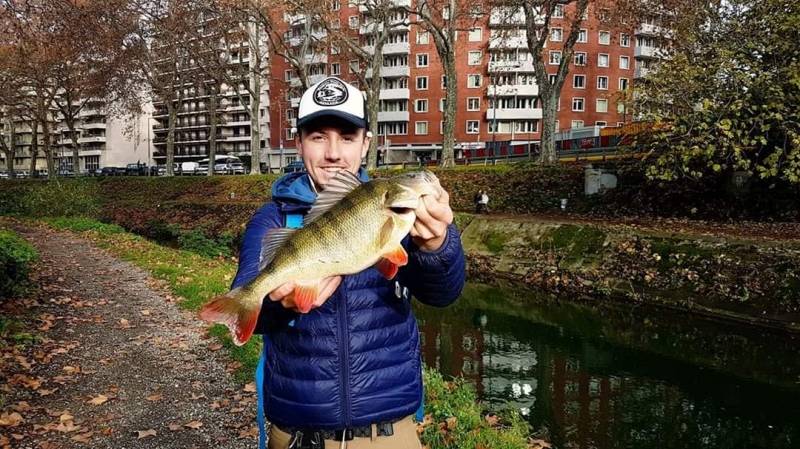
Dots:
pixel 734 278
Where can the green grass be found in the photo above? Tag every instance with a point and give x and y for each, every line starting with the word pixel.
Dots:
pixel 196 279
pixel 577 241
pixel 16 257
pixel 495 241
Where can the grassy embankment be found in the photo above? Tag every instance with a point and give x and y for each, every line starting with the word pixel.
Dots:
pixel 455 417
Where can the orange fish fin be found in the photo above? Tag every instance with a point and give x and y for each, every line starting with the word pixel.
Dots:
pixel 387 268
pixel 397 256
pixel 305 295
pixel 228 310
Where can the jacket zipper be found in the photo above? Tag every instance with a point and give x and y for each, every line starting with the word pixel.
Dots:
pixel 344 355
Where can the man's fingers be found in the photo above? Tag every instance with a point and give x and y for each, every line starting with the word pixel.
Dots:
pixel 284 290
pixel 327 287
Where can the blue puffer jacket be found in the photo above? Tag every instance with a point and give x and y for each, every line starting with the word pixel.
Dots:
pixel 355 360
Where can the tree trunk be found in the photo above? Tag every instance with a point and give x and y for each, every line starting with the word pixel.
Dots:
pixel 34 146
pixel 76 147
pixel 48 152
pixel 11 148
pixel 212 133
pixel 373 103
pixel 255 104
pixel 173 117
pixel 448 142
pixel 547 144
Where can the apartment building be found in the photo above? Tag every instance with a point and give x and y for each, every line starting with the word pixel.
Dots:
pixel 498 101
pixel 234 99
pixel 104 139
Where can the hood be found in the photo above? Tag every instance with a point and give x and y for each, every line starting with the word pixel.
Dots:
pixel 294 192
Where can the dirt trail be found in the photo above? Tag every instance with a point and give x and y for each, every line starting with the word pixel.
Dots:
pixel 118 364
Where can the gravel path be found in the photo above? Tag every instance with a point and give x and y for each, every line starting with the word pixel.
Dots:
pixel 117 364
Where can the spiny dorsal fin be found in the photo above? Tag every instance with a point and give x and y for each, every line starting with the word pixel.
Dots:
pixel 274 239
pixel 337 188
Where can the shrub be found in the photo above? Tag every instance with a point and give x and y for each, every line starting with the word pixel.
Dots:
pixel 197 242
pixel 16 256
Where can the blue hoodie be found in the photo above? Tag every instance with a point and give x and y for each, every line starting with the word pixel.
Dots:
pixel 355 360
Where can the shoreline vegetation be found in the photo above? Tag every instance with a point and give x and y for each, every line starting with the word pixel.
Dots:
pixel 454 417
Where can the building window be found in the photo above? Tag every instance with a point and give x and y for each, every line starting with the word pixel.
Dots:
pixel 621 107
pixel 623 84
pixel 558 11
pixel 287 75
pixel 442 104
pixel 421 105
pixel 473 104
pixel 602 105
pixel 444 81
pixel 352 21
pixel 579 81
pixel 624 40
pixel 602 82
pixel 422 60
pixel 583 35
pixel 473 81
pixel 92 162
pixel 336 5
pixel 601 124
pixel 580 58
pixel 552 78
pixel 602 60
pixel 604 38
pixel 421 128
pixel 577 123
pixel 473 126
pixel 577 104
pixel 474 58
pixel 441 127
pixel 423 37
pixel 422 83
pixel 290 133
pixel 624 62
pixel 336 68
pixel 555 57
pixel 475 35
pixel 353 66
pixel 556 34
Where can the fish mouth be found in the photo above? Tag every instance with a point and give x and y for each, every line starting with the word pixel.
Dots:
pixel 401 210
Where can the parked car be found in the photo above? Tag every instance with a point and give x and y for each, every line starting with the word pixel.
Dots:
pixel 22 174
pixel 3 175
pixel 223 165
pixel 294 166
pixel 189 168
pixel 136 169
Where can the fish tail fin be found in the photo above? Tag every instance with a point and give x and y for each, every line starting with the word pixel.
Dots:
pixel 238 315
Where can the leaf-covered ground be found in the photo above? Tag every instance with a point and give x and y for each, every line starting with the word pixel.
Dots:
pixel 100 356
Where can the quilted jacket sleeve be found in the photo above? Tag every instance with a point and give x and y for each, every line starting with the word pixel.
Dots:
pixel 436 278
pixel 272 314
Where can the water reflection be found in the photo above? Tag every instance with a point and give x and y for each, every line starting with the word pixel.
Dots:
pixel 620 379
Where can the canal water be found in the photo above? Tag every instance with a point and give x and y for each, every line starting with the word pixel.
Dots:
pixel 619 377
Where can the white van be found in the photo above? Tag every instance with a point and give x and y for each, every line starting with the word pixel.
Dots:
pixel 189 168
pixel 223 165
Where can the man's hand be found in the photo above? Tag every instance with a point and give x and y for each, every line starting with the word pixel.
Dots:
pixel 433 216
pixel 285 293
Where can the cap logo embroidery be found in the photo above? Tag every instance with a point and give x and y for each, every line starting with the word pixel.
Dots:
pixel 330 92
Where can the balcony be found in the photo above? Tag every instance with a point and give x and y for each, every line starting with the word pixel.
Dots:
pixel 648 29
pixel 641 72
pixel 395 94
pixel 392 72
pixel 316 58
pixel 295 102
pixel 646 52
pixel 237 123
pixel 511 66
pixel 295 20
pixel 393 116
pixel 512 90
pixel 400 47
pixel 98 125
pixel 374 27
pixel 498 42
pixel 513 114
pixel 237 138
pixel 507 17
pixel 314 79
pixel 363 8
pixel 92 139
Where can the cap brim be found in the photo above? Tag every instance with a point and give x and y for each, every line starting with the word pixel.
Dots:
pixel 350 118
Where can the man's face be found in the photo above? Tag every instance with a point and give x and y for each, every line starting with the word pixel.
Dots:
pixel 328 149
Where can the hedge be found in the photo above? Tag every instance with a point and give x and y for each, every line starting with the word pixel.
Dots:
pixel 16 257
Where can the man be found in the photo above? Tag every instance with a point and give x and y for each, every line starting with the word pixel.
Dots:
pixel 348 373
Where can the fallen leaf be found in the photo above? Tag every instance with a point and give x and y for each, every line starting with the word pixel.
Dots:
pixel 12 419
pixel 98 400
pixel 492 419
pixel 197 396
pixel 44 392
pixel 155 397
pixel 82 437
pixel 452 422
pixel 67 426
pixel 194 424
pixel 145 312
pixel 215 347
pixel 250 388
pixel 146 433
pixel 72 369
pixel 173 426
pixel 251 432
pixel 21 407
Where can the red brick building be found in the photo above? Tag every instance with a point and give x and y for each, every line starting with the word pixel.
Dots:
pixel 496 85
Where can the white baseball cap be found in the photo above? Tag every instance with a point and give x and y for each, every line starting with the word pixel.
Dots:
pixel 333 97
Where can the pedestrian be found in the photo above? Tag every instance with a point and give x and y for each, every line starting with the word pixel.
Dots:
pixel 477 200
pixel 347 373
pixel 484 202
